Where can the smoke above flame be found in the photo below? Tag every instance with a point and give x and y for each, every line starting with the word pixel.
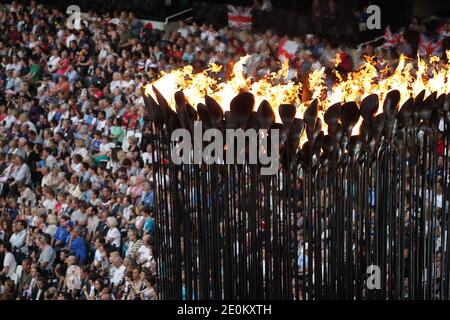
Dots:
pixel 410 77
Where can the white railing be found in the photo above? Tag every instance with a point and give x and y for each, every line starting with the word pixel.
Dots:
pixel 370 41
pixel 178 14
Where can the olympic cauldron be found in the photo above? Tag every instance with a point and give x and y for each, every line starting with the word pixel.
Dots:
pixel 352 212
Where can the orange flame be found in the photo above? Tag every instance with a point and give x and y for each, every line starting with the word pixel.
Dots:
pixel 410 77
pixel 273 87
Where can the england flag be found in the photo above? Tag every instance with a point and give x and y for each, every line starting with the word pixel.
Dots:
pixel 287 49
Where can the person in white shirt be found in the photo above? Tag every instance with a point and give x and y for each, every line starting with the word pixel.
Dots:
pixel 183 30
pixel 439 194
pixel 53 60
pixel 52 225
pixel 15 64
pixel 50 160
pixel 18 238
pixel 204 32
pixel 101 121
pixel 100 255
pixel 16 172
pixel 50 202
pixel 117 271
pixel 117 82
pixel 47 177
pixel 22 172
pixel 46 86
pixel 74 187
pixel 79 216
pixel 80 149
pixel 71 37
pixel 23 120
pixel 26 195
pixel 73 275
pixel 211 36
pixel 105 150
pixel 113 236
pixel 149 293
pixel 219 46
pixel 9 262
pixel 10 119
pixel 144 254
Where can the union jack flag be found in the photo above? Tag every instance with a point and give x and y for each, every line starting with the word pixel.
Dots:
pixel 240 17
pixel 430 46
pixel 391 39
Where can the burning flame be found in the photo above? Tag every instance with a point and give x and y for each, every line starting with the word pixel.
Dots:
pixel 410 77
pixel 272 87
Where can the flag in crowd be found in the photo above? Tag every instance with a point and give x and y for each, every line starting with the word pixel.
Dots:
pixel 240 17
pixel 391 39
pixel 430 45
pixel 287 49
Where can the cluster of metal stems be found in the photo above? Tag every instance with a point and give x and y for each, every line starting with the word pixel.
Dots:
pixel 338 204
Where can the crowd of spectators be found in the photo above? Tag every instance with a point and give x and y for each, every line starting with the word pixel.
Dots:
pixel 76 190
pixel 76 177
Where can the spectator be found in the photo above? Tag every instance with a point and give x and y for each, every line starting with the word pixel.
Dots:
pixel 9 261
pixel 18 240
pixel 47 256
pixel 38 293
pixel 134 243
pixel 113 236
pixel 24 277
pixel 77 246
